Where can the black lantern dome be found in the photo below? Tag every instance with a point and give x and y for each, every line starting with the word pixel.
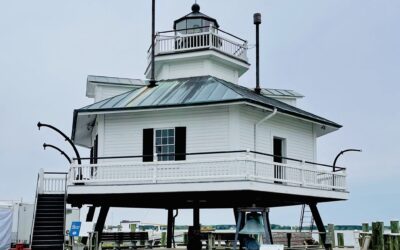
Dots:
pixel 194 20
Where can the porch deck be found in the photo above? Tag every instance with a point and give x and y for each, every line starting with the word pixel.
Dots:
pixel 203 176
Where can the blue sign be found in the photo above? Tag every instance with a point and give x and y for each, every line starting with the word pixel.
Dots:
pixel 75 228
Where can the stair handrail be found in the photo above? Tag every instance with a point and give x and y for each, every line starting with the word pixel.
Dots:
pixel 65 207
pixel 39 179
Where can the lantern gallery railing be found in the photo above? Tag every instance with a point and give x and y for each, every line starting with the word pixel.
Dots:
pixel 233 167
pixel 199 38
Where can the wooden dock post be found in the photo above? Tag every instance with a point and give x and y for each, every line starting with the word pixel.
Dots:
pixel 377 236
pixel 163 240
pixel 289 240
pixel 340 240
pixel 395 229
pixel 365 227
pixel 388 242
pixel 364 232
pixel 331 234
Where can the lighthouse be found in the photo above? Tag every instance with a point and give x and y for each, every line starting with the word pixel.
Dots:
pixel 197 138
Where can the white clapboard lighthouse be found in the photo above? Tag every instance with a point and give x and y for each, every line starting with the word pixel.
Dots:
pixel 198 139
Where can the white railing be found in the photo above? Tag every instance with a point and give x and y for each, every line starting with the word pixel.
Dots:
pixel 230 169
pixel 170 42
pixel 52 182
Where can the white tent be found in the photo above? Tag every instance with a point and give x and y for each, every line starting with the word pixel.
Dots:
pixel 6 217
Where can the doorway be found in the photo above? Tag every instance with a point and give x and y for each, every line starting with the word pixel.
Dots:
pixel 279 152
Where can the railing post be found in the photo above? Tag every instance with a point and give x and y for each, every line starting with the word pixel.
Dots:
pixel 210 31
pixel 247 160
pixel 157 44
pixel 41 181
pixel 245 51
pixel 155 169
pixel 155 157
pixel 303 182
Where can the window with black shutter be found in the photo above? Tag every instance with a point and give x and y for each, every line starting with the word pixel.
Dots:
pixel 168 143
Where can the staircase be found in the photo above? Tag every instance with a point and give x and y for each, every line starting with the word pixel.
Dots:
pixel 306 216
pixel 48 224
pixel 48 232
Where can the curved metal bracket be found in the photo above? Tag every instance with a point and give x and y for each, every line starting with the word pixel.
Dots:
pixel 78 157
pixel 59 150
pixel 342 152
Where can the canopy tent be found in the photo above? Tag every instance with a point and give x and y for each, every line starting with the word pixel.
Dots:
pixel 6 216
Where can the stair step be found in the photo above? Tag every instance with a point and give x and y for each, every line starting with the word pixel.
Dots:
pixel 49 218
pixel 49 215
pixel 48 232
pixel 47 246
pixel 48 237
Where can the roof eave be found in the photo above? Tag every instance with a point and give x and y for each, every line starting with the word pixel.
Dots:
pixel 270 107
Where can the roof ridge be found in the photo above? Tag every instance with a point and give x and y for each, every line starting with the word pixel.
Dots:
pixel 285 105
pixel 106 100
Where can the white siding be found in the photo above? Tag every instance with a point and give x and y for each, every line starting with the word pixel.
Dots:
pixel 207 129
pixel 299 135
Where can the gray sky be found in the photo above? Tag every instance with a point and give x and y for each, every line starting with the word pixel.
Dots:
pixel 344 56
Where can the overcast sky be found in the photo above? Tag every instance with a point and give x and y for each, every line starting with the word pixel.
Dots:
pixel 344 56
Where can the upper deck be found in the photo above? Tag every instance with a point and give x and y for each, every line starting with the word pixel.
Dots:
pixel 201 38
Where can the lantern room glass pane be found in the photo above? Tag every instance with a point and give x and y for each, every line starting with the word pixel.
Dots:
pixel 181 26
pixel 194 23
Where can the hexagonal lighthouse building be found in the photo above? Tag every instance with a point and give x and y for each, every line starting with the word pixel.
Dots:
pixel 198 139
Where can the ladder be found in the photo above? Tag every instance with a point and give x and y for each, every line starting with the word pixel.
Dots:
pixel 306 216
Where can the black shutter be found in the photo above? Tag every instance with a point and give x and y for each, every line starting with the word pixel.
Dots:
pixel 148 141
pixel 91 155
pixel 96 149
pixel 180 143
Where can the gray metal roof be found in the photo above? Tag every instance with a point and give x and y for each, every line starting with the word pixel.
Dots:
pixel 280 93
pixel 194 91
pixel 172 92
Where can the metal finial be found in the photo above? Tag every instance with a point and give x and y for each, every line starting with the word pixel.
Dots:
pixel 196 7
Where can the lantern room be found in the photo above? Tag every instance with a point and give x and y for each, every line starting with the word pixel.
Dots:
pixel 198 47
pixel 195 22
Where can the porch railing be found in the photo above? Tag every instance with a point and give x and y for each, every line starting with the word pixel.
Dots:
pixel 233 167
pixel 201 38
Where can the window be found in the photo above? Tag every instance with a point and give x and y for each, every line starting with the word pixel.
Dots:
pixel 165 144
pixel 164 141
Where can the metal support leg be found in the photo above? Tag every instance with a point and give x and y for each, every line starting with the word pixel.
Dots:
pixel 101 220
pixel 238 225
pixel 320 224
pixel 169 227
pixel 267 227
pixel 90 214
pixel 196 218
pixel 89 218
